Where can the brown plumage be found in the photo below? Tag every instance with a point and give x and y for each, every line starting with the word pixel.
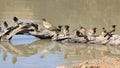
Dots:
pixel 92 32
pixel 77 33
pixel 5 25
pixel 83 33
pixel 59 28
pixel 110 32
pixel 66 30
pixel 15 19
pixel 104 31
pixel 46 24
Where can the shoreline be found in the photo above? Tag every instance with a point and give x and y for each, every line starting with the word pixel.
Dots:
pixel 103 62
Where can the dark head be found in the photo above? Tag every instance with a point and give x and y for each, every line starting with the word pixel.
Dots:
pixel 67 27
pixel 113 26
pixel 77 33
pixel 103 28
pixel 35 25
pixel 15 19
pixel 94 29
pixel 60 26
pixel 81 27
pixel 43 19
pixel 5 24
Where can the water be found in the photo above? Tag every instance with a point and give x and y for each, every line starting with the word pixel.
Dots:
pixel 25 51
pixel 95 13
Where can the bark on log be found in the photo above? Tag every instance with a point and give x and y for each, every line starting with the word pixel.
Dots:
pixel 21 28
pixel 43 34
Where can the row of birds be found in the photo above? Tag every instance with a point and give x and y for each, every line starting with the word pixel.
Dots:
pixel 82 32
pixel 5 24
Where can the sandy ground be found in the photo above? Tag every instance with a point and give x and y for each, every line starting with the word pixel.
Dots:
pixel 104 62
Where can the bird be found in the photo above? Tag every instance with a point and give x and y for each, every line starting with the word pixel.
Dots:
pixel 66 30
pixel 5 25
pixel 76 33
pixel 104 31
pixel 50 27
pixel 83 33
pixel 46 24
pixel 59 28
pixel 110 32
pixel 92 32
pixel 15 19
pixel 35 26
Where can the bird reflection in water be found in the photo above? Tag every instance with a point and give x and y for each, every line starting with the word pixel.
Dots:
pixel 14 59
pixel 4 54
pixel 54 47
pixel 45 52
pixel 18 50
pixel 76 51
pixel 68 51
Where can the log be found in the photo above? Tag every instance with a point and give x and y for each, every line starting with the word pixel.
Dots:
pixel 43 34
pixel 15 31
pixel 69 39
pixel 32 29
pixel 21 28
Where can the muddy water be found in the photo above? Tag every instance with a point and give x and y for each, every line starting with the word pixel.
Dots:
pixel 25 51
pixel 95 13
pixel 30 52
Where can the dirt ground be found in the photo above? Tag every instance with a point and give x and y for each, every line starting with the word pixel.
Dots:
pixel 104 62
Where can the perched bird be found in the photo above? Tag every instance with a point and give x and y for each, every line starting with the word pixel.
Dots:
pixel 46 24
pixel 5 25
pixel 15 19
pixel 66 30
pixel 104 31
pixel 77 33
pixel 59 28
pixel 83 33
pixel 35 26
pixel 110 32
pixel 92 32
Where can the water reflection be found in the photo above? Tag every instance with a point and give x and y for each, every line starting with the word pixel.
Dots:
pixel 23 39
pixel 14 59
pixel 80 51
pixel 4 54
pixel 70 53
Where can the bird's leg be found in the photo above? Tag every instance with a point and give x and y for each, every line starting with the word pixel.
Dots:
pixel 110 35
